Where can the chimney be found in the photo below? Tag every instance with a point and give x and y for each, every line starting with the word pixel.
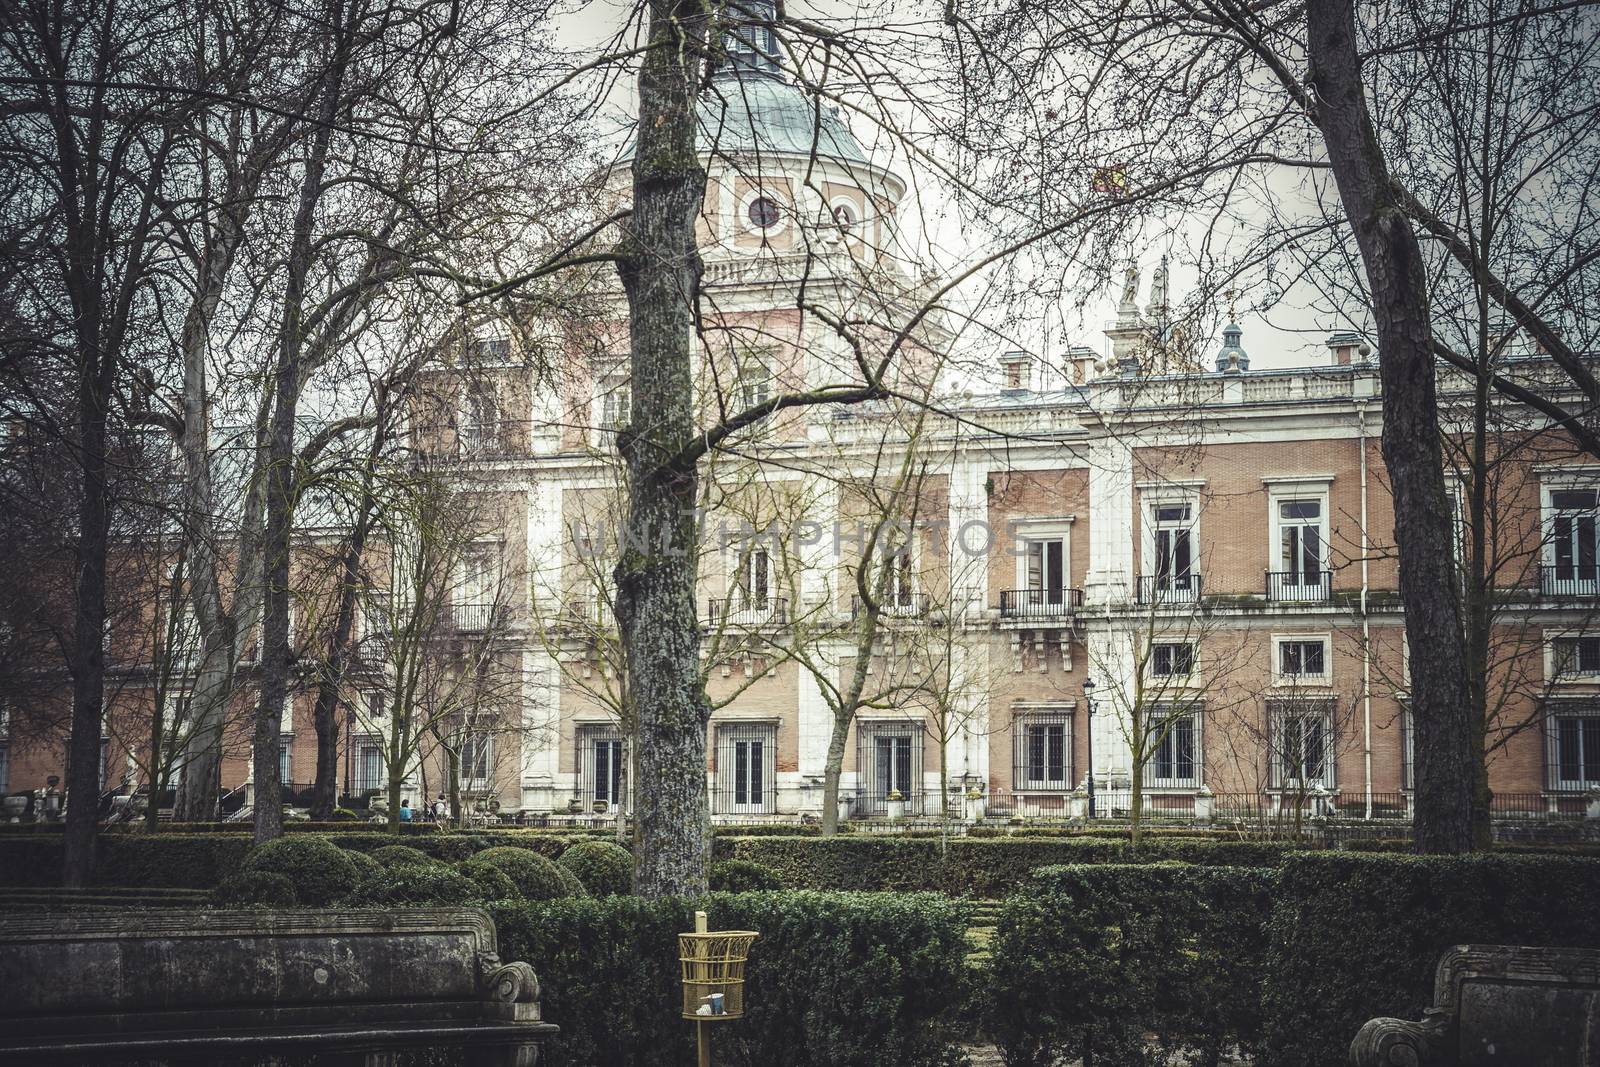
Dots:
pixel 1344 346
pixel 1016 371
pixel 1079 364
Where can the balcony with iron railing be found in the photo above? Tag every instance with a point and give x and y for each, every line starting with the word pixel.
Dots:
pixel 589 611
pixel 903 605
pixel 1570 581
pixel 1168 588
pixel 472 618
pixel 748 611
pixel 1039 603
pixel 1299 587
pixel 505 439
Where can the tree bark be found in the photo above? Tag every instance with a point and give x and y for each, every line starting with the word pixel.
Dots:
pixel 660 269
pixel 1411 445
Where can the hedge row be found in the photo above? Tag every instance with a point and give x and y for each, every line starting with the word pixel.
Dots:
pixel 201 861
pixel 1091 962
pixel 983 867
pixel 840 979
pixel 1286 964
pixel 1357 936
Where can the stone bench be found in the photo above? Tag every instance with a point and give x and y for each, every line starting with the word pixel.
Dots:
pixel 1499 1005
pixel 218 988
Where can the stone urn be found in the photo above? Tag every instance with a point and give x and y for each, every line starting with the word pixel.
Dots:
pixel 844 809
pixel 601 807
pixel 896 805
pixel 16 807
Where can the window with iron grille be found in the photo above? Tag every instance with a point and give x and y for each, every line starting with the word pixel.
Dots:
pixel 1572 739
pixel 1042 751
pixel 1175 760
pixel 602 766
pixel 1301 740
pixel 1408 746
pixel 746 770
pixel 369 765
pixel 889 761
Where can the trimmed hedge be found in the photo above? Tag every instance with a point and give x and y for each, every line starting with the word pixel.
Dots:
pixel 1091 961
pixel 321 871
pixel 245 889
pixel 603 867
pixel 415 885
pixel 1358 936
pixel 392 856
pixel 535 877
pixel 985 867
pixel 742 876
pixel 835 978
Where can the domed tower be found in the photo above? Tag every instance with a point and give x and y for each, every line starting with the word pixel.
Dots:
pixel 791 199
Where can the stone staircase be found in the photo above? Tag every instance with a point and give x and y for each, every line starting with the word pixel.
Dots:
pixel 985 918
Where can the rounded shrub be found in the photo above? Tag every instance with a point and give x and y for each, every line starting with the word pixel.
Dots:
pixel 320 871
pixel 534 876
pixel 393 856
pixel 415 885
pixel 570 886
pixel 365 864
pixel 742 876
pixel 492 882
pixel 454 848
pixel 255 888
pixel 604 867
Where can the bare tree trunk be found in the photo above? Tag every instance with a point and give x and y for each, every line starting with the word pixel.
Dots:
pixel 660 270
pixel 281 473
pixel 88 678
pixel 1411 446
pixel 832 770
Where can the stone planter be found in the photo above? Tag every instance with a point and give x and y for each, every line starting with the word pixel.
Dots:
pixel 15 808
pixel 896 808
pixel 1591 804
pixel 844 809
pixel 975 807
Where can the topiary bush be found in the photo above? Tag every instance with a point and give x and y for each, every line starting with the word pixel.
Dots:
pixel 1096 960
pixel 570 886
pixel 255 889
pixel 742 876
pixel 320 871
pixel 392 856
pixel 837 979
pixel 604 867
pixel 365 864
pixel 534 876
pixel 416 885
pixel 1357 936
pixel 492 882
pixel 455 847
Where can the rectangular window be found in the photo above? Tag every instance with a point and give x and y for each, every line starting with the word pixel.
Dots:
pixel 1575 741
pixel 1043 751
pixel 1047 569
pixel 477 760
pixel 1573 537
pixel 1173 540
pixel 1575 656
pixel 1300 541
pixel 606 770
pixel 1303 659
pixel 888 763
pixel 1176 758
pixel 1172 659
pixel 746 770
pixel 369 766
pixel 1302 744
pixel 286 759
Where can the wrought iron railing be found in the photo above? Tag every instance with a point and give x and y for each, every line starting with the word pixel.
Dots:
pixel 748 611
pixel 1570 582
pixel 1168 588
pixel 1039 603
pixel 1299 587
pixel 899 605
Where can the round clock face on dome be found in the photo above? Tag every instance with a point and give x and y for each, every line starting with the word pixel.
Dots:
pixel 763 213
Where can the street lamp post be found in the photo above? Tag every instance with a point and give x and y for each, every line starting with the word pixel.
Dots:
pixel 1088 700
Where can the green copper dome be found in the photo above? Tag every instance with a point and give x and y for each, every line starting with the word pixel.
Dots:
pixel 757 114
